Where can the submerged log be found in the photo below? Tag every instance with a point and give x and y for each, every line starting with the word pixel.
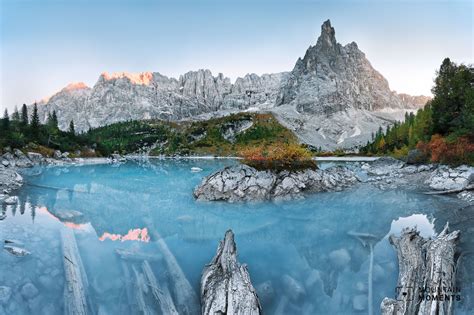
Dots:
pixel 424 264
pixel 75 290
pixel 141 289
pixel 134 255
pixel 225 284
pixel 161 294
pixel 185 297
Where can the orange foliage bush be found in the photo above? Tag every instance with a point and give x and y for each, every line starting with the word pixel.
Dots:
pixel 458 151
pixel 278 156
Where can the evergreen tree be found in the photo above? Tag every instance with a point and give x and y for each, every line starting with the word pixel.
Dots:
pixel 72 131
pixel 453 92
pixel 24 115
pixel 55 120
pixel 6 122
pixel 35 122
pixel 16 114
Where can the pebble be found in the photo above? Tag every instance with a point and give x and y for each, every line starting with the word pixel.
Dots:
pixel 29 290
pixel 359 302
pixel 5 294
pixel 340 257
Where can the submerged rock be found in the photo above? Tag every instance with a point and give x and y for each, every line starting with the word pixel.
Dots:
pixel 69 215
pixel 225 283
pixel 467 196
pixel 245 183
pixel 16 251
pixel 13 200
pixel 5 294
pixel 29 290
pixel 293 288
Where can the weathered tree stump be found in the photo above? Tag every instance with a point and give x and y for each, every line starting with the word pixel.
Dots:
pixel 424 265
pixel 225 284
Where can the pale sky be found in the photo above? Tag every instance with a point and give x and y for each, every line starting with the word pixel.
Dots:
pixel 48 44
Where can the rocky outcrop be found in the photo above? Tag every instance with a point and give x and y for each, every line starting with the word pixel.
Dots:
pixel 10 180
pixel 427 270
pixel 244 183
pixel 226 287
pixel 332 78
pixel 445 178
pixel 230 130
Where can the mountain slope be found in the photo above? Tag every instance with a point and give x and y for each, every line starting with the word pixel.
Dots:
pixel 335 98
pixel 332 98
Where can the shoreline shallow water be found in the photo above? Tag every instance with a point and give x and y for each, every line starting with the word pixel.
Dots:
pixel 300 255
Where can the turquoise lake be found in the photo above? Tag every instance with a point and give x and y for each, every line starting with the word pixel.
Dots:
pixel 300 254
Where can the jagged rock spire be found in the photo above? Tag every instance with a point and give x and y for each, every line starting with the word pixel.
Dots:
pixel 327 39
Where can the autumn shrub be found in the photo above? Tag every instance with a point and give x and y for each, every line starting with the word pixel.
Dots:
pixel 454 151
pixel 278 156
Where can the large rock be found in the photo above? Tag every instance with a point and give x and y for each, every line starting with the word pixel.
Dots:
pixel 225 283
pixel 415 156
pixel 9 179
pixel 245 183
pixel 21 159
pixel 445 178
pixel 384 166
pixel 232 129
pixel 29 291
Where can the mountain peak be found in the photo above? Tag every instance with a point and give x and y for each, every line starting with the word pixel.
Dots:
pixel 143 78
pixel 327 39
pixel 75 86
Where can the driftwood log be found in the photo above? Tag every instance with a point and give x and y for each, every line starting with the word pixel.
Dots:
pixel 76 297
pixel 427 270
pixel 225 284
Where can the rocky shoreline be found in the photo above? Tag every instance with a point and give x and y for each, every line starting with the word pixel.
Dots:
pixel 244 183
pixel 14 160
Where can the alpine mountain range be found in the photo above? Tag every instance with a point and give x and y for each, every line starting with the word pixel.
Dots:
pixel 333 97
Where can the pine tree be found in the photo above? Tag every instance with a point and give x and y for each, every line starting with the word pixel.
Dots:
pixel 6 122
pixel 16 114
pixel 35 121
pixel 72 131
pixel 55 120
pixel 24 115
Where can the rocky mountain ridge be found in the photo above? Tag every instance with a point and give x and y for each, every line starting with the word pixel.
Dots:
pixel 332 98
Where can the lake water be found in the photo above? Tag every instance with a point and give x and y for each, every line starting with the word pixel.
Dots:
pixel 301 256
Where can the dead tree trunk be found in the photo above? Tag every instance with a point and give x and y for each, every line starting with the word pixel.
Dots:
pixel 423 265
pixel 225 284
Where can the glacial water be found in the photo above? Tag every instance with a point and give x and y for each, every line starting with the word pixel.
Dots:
pixel 301 255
